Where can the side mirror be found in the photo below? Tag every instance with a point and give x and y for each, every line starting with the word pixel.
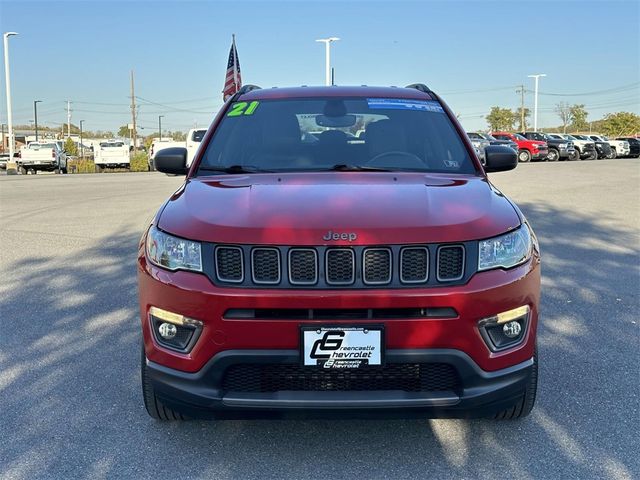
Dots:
pixel 172 160
pixel 499 158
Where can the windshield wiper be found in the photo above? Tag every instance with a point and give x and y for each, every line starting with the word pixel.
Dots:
pixel 343 167
pixel 236 169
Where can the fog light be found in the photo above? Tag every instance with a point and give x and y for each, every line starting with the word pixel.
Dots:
pixel 505 329
pixel 168 330
pixel 174 331
pixel 512 329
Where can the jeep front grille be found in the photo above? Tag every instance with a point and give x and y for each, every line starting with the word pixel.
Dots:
pixel 324 267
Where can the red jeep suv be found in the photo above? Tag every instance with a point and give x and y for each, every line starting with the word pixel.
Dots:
pixel 342 249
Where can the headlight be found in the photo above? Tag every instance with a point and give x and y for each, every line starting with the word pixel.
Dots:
pixel 563 145
pixel 173 253
pixel 505 251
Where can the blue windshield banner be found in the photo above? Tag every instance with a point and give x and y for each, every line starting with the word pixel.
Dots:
pixel 404 104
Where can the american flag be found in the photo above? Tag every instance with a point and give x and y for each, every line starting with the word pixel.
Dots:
pixel 233 80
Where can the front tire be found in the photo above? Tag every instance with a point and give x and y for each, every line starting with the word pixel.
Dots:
pixel 613 154
pixel 524 156
pixel 528 400
pixel 155 408
pixel 553 155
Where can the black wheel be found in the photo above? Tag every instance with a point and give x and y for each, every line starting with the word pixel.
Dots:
pixel 524 156
pixel 22 170
pixel 155 408
pixel 31 171
pixel 553 155
pixel 613 154
pixel 525 404
pixel 574 156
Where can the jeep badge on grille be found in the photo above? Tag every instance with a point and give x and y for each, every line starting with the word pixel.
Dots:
pixel 330 235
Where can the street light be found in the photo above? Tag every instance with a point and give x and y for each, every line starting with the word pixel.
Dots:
pixel 35 115
pixel 160 126
pixel 535 100
pixel 327 66
pixel 81 144
pixel 11 164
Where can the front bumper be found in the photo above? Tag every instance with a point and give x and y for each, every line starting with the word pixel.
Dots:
pixel 538 154
pixel 201 394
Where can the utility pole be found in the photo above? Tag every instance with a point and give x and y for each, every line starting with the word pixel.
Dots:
pixel 81 144
pixel 535 100
pixel 35 115
pixel 68 118
pixel 12 167
pixel 160 127
pixel 521 92
pixel 133 116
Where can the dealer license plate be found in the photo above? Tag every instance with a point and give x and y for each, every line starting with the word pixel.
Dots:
pixel 342 347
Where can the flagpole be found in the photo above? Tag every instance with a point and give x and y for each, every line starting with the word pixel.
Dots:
pixel 235 58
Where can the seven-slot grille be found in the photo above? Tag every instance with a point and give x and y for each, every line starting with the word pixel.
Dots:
pixel 346 267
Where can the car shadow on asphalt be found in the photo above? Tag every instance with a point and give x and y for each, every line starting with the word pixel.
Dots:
pixel 72 406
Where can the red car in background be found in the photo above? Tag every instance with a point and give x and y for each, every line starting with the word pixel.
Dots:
pixel 527 149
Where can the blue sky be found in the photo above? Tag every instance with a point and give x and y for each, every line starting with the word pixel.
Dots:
pixel 473 53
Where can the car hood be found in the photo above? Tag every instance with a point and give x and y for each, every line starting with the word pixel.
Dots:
pixel 301 208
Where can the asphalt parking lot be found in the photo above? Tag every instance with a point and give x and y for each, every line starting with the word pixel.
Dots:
pixel 69 348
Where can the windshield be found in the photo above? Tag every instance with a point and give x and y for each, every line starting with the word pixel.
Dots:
pixel 518 136
pixel 325 133
pixel 111 144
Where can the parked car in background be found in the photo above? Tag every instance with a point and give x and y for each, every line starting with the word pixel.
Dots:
pixel 559 149
pixel 42 157
pixel 603 149
pixel 479 144
pixel 634 146
pixel 112 154
pixel 158 145
pixel 194 138
pixel 527 149
pixel 494 141
pixel 585 149
pixel 4 158
pixel 619 148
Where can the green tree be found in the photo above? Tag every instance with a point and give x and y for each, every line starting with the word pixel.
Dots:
pixel 70 147
pixel 501 119
pixel 124 131
pixel 578 117
pixel 620 123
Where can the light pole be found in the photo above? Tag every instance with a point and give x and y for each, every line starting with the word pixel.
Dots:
pixel 12 168
pixel 160 127
pixel 81 144
pixel 535 100
pixel 327 59
pixel 35 115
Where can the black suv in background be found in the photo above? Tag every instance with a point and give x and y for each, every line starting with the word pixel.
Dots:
pixel 634 146
pixel 558 149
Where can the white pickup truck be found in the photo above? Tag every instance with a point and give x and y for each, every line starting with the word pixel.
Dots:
pixel 194 139
pixel 111 154
pixel 42 156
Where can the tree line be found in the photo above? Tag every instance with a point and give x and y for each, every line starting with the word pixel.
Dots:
pixel 573 118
